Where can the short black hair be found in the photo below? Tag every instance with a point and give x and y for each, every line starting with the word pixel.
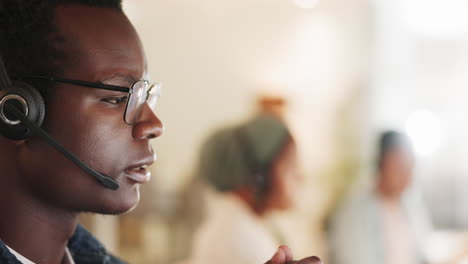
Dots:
pixel 390 140
pixel 29 40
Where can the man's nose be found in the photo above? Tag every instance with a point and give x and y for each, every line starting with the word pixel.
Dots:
pixel 148 125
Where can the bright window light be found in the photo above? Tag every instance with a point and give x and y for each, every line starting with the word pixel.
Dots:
pixel 306 3
pixel 424 129
pixel 438 18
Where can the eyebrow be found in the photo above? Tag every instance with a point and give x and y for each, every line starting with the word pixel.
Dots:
pixel 130 79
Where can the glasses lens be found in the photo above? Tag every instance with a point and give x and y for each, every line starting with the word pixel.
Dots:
pixel 135 101
pixel 153 95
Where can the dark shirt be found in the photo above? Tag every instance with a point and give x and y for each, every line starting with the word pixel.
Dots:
pixel 84 248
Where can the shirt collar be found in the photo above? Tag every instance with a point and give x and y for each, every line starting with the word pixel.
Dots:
pixel 67 259
pixel 20 257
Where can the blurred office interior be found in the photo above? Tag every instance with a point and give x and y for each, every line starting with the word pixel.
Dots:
pixel 346 70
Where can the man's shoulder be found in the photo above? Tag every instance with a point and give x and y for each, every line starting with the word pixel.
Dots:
pixel 86 249
pixel 6 257
pixel 83 246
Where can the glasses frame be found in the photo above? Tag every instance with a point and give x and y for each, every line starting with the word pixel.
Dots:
pixel 129 90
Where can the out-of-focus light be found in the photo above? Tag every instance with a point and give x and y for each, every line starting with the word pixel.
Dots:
pixel 424 129
pixel 306 3
pixel 436 18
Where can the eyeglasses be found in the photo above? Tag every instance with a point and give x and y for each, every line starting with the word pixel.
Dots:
pixel 139 92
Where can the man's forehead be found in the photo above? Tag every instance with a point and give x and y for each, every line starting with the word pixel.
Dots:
pixel 79 22
pixel 91 36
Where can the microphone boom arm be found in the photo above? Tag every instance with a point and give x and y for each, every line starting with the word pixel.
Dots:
pixel 103 179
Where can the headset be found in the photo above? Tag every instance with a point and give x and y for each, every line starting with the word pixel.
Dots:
pixel 22 111
pixel 261 173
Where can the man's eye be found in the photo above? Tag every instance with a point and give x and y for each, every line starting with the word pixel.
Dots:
pixel 116 100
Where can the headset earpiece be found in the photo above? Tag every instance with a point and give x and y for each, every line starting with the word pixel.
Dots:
pixel 17 98
pixel 29 101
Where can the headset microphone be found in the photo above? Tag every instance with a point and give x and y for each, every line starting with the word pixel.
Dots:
pixel 104 179
pixel 19 95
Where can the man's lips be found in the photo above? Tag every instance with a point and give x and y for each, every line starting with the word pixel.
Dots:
pixel 139 174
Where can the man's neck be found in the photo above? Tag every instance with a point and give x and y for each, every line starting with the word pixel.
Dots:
pixel 33 229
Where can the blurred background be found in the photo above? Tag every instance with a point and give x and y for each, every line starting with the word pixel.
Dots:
pixel 343 70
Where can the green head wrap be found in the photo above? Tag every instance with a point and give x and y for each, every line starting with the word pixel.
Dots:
pixel 234 157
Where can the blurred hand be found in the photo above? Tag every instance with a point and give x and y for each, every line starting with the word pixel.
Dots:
pixel 284 256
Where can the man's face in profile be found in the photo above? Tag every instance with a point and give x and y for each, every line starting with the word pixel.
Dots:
pixel 100 45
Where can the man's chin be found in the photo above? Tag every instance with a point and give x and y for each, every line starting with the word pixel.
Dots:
pixel 117 208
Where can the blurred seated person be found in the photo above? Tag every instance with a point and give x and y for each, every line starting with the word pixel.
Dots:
pixel 252 167
pixel 387 224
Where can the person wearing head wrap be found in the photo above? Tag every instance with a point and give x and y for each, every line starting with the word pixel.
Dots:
pixel 252 166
